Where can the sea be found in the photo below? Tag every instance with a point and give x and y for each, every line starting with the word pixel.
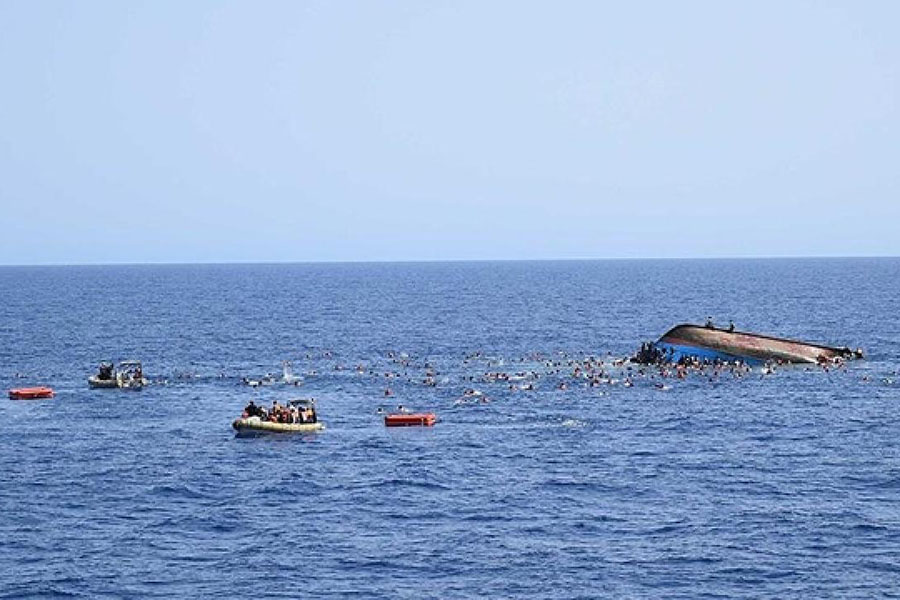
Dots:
pixel 782 485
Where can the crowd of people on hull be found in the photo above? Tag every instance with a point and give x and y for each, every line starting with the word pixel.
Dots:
pixel 651 354
pixel 278 413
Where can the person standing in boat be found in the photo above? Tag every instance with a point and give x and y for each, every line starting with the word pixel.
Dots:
pixel 731 325
pixel 709 323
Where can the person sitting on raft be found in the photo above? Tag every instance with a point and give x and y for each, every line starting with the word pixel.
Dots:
pixel 252 410
pixel 106 372
pixel 307 415
pixel 279 414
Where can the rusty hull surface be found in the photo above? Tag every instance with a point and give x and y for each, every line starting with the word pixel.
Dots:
pixel 751 345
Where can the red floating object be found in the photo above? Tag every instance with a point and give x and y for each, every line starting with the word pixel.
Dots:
pixel 30 393
pixel 410 420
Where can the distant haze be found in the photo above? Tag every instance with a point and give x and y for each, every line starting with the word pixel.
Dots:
pixel 306 131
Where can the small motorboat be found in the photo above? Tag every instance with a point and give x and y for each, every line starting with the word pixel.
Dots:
pixel 32 393
pixel 410 420
pixel 128 375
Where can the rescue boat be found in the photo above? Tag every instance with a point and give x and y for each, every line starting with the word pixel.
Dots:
pixel 410 420
pixel 129 375
pixel 32 393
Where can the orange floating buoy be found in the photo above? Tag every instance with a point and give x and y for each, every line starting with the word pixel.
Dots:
pixel 410 420
pixel 30 393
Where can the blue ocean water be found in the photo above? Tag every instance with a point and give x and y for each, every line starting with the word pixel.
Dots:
pixel 766 487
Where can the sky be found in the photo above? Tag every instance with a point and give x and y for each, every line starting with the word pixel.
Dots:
pixel 135 132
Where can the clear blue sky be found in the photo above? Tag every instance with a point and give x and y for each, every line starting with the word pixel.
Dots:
pixel 423 130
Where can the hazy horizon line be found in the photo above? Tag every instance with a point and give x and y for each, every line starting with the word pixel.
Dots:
pixel 446 260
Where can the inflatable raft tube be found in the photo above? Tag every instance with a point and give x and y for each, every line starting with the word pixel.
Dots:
pixel 33 393
pixel 252 425
pixel 96 382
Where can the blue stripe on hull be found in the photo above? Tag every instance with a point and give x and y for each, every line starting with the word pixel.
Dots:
pixel 680 351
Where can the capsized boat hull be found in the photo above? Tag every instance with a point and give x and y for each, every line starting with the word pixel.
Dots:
pixel 255 425
pixel 710 343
